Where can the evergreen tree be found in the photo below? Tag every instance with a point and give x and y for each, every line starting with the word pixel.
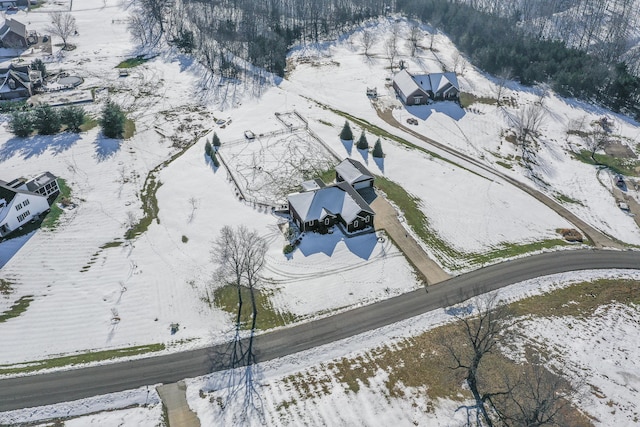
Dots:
pixel 207 148
pixel 377 149
pixel 72 117
pixel 46 120
pixel 112 120
pixel 21 124
pixel 185 41
pixel 363 144
pixel 216 141
pixel 214 159
pixel 37 64
pixel 346 134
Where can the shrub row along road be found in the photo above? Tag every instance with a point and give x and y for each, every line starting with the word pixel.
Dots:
pixel 43 389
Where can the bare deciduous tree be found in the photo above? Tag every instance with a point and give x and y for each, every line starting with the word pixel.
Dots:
pixel 459 63
pixel 503 78
pixel 536 398
pixel 63 25
pixel 415 34
pixel 240 254
pixel 480 334
pixel 595 141
pixel 367 40
pixel 391 47
pixel 527 122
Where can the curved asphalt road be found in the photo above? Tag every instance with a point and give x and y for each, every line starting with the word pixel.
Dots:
pixel 43 389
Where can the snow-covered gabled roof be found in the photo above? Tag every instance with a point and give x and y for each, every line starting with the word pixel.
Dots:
pixel 7 193
pixel 441 81
pixel 354 203
pixel 13 26
pixel 313 184
pixel 405 83
pixel 434 82
pixel 353 171
pixel 19 74
pixel 338 199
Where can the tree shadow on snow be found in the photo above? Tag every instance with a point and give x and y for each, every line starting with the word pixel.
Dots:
pixel 210 163
pixel 37 145
pixel 10 247
pixel 348 145
pixel 185 62
pixel 379 161
pixel 365 155
pixel 459 311
pixel 106 147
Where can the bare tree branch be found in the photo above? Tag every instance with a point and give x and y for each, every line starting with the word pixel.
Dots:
pixel 63 25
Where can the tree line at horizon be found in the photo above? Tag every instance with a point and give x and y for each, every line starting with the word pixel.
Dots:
pixel 236 38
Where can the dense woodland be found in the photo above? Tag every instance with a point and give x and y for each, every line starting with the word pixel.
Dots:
pixel 501 42
pixel 579 48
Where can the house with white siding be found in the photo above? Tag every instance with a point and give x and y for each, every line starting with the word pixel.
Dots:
pixel 23 200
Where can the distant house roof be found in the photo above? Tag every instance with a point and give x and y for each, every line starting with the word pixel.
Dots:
pixel 19 75
pixel 13 26
pixel 27 186
pixel 337 199
pixel 353 171
pixel 6 193
pixel 34 184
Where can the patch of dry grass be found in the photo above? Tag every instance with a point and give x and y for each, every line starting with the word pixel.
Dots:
pixel 424 363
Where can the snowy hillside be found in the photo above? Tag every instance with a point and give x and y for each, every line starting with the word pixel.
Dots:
pixel 92 289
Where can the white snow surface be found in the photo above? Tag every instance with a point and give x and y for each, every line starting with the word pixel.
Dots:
pixel 87 297
pixel 599 350
pixel 91 297
pixel 606 364
pixel 139 407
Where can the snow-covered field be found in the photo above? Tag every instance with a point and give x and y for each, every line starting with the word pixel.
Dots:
pixel 139 407
pixel 597 354
pixel 91 294
pixel 600 357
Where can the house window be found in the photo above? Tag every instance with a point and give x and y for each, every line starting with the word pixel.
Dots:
pixel 355 224
pixel 26 202
pixel 417 100
pixel 312 222
pixel 22 216
pixel 19 206
pixel 367 219
pixel 327 221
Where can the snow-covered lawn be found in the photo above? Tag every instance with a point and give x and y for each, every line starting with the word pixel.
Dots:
pixel 599 354
pixel 91 293
pixel 273 164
